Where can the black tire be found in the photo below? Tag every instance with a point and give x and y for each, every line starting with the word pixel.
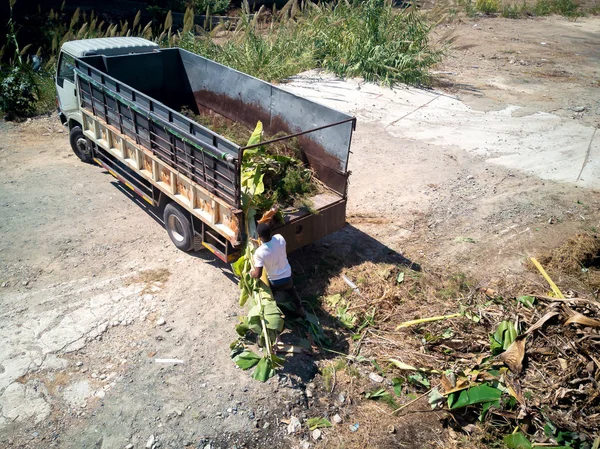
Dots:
pixel 179 227
pixel 80 145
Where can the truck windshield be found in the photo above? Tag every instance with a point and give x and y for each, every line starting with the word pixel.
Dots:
pixel 65 69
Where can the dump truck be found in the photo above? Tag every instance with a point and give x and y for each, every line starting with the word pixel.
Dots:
pixel 121 99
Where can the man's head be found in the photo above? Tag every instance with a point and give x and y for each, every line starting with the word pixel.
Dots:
pixel 264 232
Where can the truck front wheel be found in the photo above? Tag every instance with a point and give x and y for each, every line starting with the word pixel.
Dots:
pixel 80 145
pixel 179 227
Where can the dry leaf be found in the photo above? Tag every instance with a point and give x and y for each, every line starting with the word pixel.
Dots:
pixel 489 292
pixel 267 216
pixel 513 356
pixel 541 321
pixel 579 318
pixel 461 384
pixel 447 384
pixel 514 388
pixel 563 364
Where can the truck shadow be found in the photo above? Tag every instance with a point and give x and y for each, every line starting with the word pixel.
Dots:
pixel 156 214
pixel 313 267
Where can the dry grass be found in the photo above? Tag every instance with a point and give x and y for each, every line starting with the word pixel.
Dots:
pixel 150 278
pixel 559 382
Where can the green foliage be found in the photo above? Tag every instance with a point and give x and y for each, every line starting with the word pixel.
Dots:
pixel 567 439
pixel 512 11
pixel 316 423
pixel 18 93
pixel 567 8
pixel 274 179
pixel 376 394
pixel 372 40
pixel 246 359
pixel 479 394
pixel 419 379
pixel 211 6
pixel 264 317
pixel 527 301
pixel 488 6
pixel 502 338
pixel 517 441
pixel 367 38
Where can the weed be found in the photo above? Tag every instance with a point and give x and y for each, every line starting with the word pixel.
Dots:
pixel 566 8
pixel 211 6
pixel 488 6
pixel 512 11
pixel 17 93
pixel 149 278
pixel 367 39
pixel 371 40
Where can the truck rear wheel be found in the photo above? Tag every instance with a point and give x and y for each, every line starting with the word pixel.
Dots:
pixel 179 227
pixel 80 145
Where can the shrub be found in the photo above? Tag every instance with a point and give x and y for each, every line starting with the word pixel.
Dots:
pixel 372 40
pixel 488 6
pixel 511 11
pixel 366 38
pixel 211 6
pixel 562 7
pixel 17 93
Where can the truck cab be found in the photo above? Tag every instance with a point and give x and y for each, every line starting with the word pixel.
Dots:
pixel 68 107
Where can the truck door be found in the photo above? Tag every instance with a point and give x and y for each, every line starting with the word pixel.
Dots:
pixel 65 85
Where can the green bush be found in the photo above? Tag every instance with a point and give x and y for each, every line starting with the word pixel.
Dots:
pixel 18 93
pixel 566 8
pixel 488 6
pixel 211 6
pixel 369 39
pixel 512 11
pixel 372 40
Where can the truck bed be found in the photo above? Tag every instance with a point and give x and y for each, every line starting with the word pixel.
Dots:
pixel 130 105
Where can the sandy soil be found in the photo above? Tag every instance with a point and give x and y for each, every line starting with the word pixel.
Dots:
pixel 87 272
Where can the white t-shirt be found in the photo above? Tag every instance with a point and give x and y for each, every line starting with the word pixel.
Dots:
pixel 273 258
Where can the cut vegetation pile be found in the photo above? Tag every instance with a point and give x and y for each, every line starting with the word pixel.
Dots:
pixel 284 180
pixel 519 368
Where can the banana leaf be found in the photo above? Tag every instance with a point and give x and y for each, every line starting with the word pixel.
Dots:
pixel 246 359
pixel 474 395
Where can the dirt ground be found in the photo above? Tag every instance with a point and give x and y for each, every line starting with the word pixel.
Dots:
pixel 87 272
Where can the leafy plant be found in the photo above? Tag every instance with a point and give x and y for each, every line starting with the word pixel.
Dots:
pixel 211 6
pixel 488 6
pixel 479 394
pixel 527 301
pixel 18 93
pixel 369 39
pixel 502 338
pixel 264 317
pixel 360 38
pixel 517 441
pixel 419 379
pixel 317 423
pixel 376 394
pixel 17 88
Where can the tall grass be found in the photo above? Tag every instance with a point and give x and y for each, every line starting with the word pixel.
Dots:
pixel 366 38
pixel 372 40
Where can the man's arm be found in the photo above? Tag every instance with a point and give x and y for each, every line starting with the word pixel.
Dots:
pixel 256 273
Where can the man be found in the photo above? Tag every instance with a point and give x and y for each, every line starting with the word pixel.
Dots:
pixel 272 256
